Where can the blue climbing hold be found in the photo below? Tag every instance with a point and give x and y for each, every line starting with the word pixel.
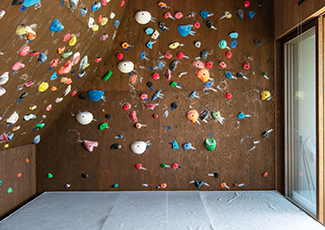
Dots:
pixel 149 44
pixel 184 30
pixel 241 115
pixel 37 139
pixel 251 14
pixel 10 136
pixel 155 96
pixel 233 35
pixel 116 23
pixel 42 58
pixel 233 44
pixel 228 75
pixel 204 14
pixel 208 84
pixel 28 3
pixel 160 65
pixel 142 55
pixel 56 26
pixel 96 6
pixel 175 145
pixel 187 146
pixel 95 95
pixel 53 77
pixel 149 31
pixel 192 95
pixel 83 11
pixel 199 184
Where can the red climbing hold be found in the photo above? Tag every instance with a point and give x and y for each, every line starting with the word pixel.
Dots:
pixel 228 96
pixel 246 65
pixel 133 116
pixel 246 4
pixel 197 25
pixel 229 54
pixel 155 76
pixel 126 106
pixel 208 65
pixel 119 56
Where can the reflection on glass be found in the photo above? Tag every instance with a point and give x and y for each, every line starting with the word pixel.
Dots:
pixel 300 57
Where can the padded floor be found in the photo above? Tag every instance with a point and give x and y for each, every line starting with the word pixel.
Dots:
pixel 267 210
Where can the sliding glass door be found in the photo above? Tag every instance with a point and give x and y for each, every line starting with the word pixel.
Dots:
pixel 300 120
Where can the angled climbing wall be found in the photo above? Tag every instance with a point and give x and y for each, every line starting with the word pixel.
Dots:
pixel 36 81
pixel 242 156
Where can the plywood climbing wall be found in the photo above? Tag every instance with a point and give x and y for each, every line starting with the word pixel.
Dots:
pixel 241 155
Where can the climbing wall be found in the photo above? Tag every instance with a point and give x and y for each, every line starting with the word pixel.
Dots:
pixel 44 46
pixel 91 144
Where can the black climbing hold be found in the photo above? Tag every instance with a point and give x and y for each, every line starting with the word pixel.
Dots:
pixel 240 74
pixel 84 175
pixel 23 95
pixel 173 65
pixel 149 84
pixel 209 24
pixel 174 105
pixel 83 96
pixel 204 54
pixel 265 134
pixel 116 146
pixel 240 14
pixel 258 3
pixel 161 25
pixel 204 114
pixel 216 175
pixel 108 116
pixel 73 71
pixel 257 43
pixel 17 2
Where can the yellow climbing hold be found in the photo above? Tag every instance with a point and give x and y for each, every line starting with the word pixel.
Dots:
pixel 32 107
pixel 95 27
pixel 104 21
pixel 73 41
pixel 6 146
pixel 43 86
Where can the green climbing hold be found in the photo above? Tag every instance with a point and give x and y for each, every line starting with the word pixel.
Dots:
pixel 107 76
pixel 210 144
pixel 39 126
pixel 216 115
pixel 163 165
pixel 49 175
pixel 103 126
pixel 115 185
pixel 173 84
pixel 66 53
pixel 10 190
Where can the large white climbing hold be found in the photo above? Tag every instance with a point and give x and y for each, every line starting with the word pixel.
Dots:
pixel 143 17
pixel 13 118
pixel 138 147
pixel 125 66
pixel 84 118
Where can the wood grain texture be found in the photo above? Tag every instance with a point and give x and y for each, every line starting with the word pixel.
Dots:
pixel 13 162
pixel 235 158
pixel 11 44
pixel 288 15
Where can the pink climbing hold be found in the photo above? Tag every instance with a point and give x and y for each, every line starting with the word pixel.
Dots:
pixel 3 137
pixel 74 93
pixel 104 2
pixel 89 145
pixel 49 107
pixel 197 25
pixel 98 59
pixel 175 166
pixel 104 37
pixel 24 51
pixel 126 106
pixel 155 76
pixel 222 64
pixel 122 3
pixel 144 96
pixel 228 54
pixel 178 15
pixel 155 115
pixel 18 66
pixel 151 106
pixel 168 55
pixel 119 56
pixel 198 64
pixel 66 37
pixel 133 116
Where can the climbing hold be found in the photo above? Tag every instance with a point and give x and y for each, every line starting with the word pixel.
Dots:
pixel 56 26
pixel 246 4
pixel 163 185
pixel 61 49
pixel 13 118
pixel 138 147
pixel 226 14
pixel 4 78
pixel 174 45
pixel 178 15
pixel 197 25
pixel 204 115
pixel 96 6
pixel 155 76
pixel 203 75
pixel 29 117
pixel 175 145
pixel 103 126
pixel 162 26
pixel 95 95
pixel 42 58
pixel 84 63
pixel 139 166
pixel 224 185
pixel 163 5
pixel 133 116
pixel 240 74
pixel 229 75
pixel 150 84
pixel 65 54
pixel 17 66
pixel 251 14
pixel 49 107
pixel 185 30
pixel 233 44
pixel 193 115
pixel 66 68
pixel 116 146
pixel 258 3
pixel 66 37
pixel 246 65
pixel 168 74
pixel 197 44
pixel 24 51
pixel 208 65
pixel 84 118
pixel 240 14
pixel 149 31
pixel 75 58
pixel 151 106
pixel 228 96
pixel 174 105
pixel 223 44
pixel 175 166
pixel 193 94
pixel 188 146
pixel 242 115
pixel 257 43
pixel 204 54
pixel 143 17
pixel 155 115
pixel 98 59
pixel 73 41
pixel 108 116
pixel 210 25
pixel 49 175
pixel 116 23
pixel 119 56
pixel 126 106
pixel 222 64
pixel 139 125
pixel 115 185
pixel 40 125
pixel 210 144
pixel 43 86
pixel 53 64
pixel 104 37
pixel 266 133
pixel 265 174
pixel 107 75
pixel 83 11
pixel 157 94
pixel 198 64
pixel 89 145
pixel 173 65
pixel 205 14
pixel 233 35
pixel 125 66
pixel 84 175
pixel 265 95
pixel 2 91
pixel 36 140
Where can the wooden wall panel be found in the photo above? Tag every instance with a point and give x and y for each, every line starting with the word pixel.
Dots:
pixel 20 160
pixel 287 14
pixel 234 158
pixel 11 44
